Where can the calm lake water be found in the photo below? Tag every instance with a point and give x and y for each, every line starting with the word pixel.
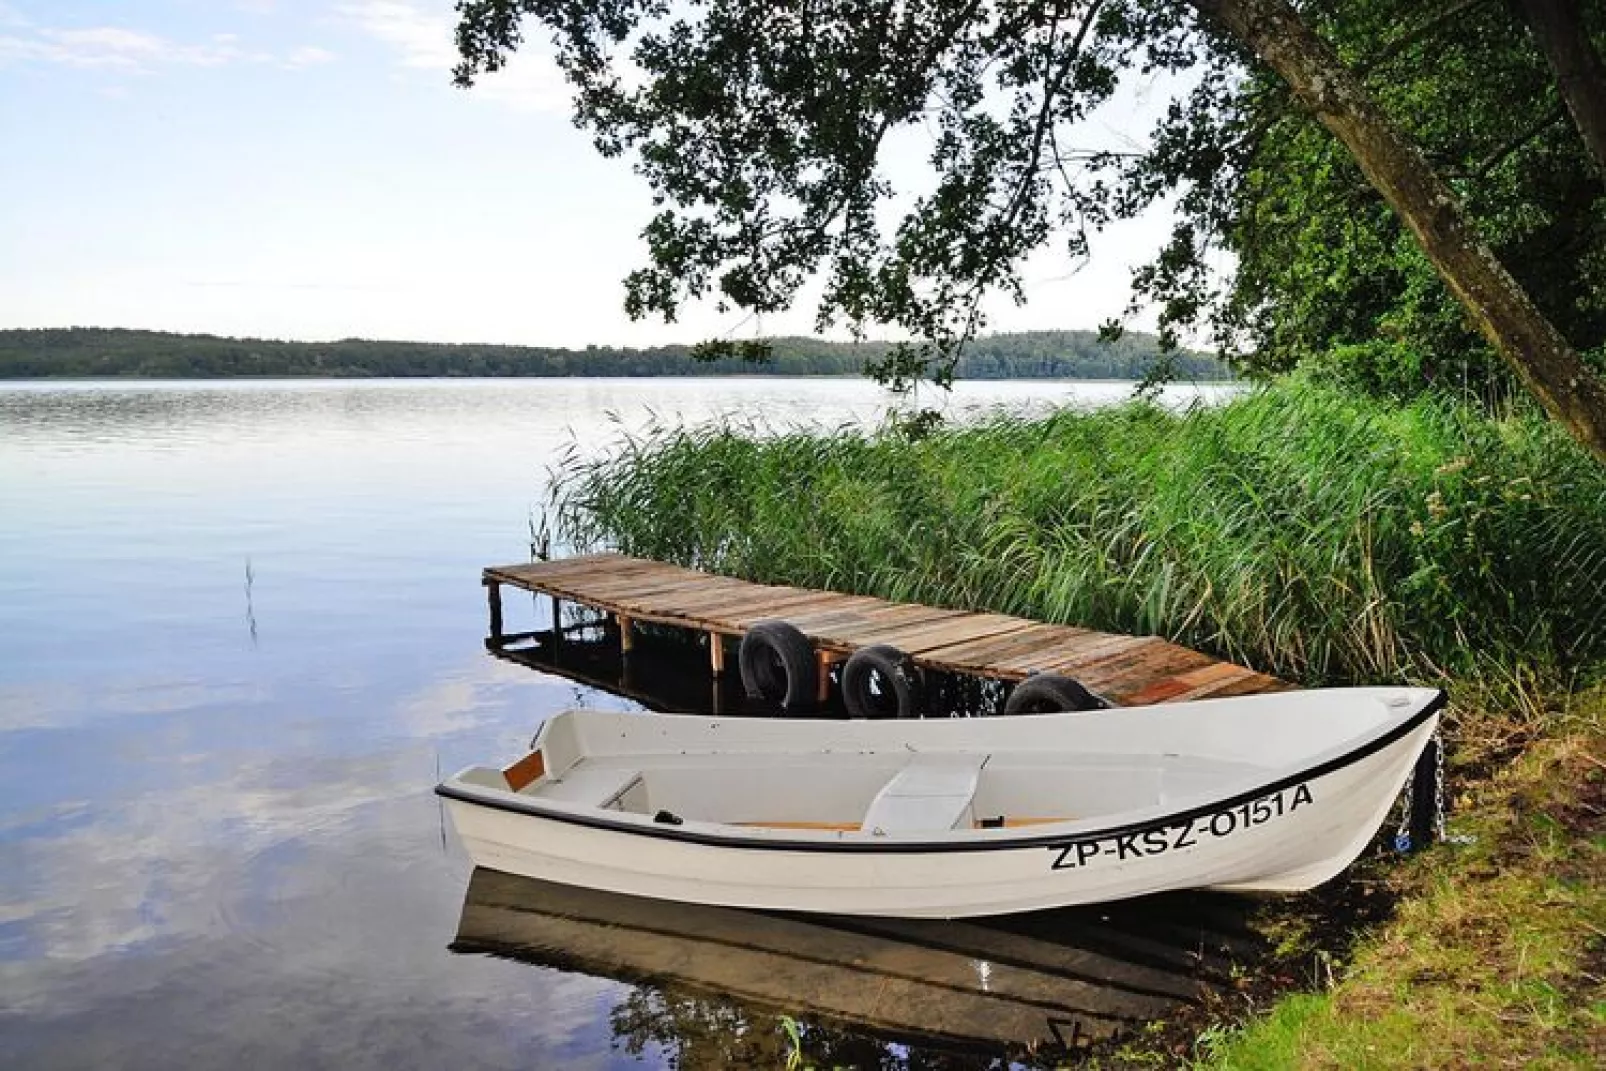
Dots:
pixel 241 636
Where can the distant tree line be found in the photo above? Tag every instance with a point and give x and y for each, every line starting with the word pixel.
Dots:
pixel 82 352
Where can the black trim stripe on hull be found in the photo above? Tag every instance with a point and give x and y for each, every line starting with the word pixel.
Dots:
pixel 667 832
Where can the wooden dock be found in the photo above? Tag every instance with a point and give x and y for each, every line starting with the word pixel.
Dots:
pixel 1129 670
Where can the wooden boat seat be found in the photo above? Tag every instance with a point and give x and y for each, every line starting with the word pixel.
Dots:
pixel 932 792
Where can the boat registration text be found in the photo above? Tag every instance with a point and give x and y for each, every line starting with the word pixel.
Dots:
pixel 1185 834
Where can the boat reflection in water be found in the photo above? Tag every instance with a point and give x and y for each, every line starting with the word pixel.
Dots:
pixel 712 983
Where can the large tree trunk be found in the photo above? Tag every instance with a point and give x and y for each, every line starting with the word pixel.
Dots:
pixel 1558 26
pixel 1499 307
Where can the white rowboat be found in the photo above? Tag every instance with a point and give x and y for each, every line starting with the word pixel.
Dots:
pixel 946 818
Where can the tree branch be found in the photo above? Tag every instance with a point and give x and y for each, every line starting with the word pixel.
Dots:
pixel 1515 144
pixel 1053 82
pixel 1426 28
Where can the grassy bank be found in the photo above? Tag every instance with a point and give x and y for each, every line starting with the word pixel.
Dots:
pixel 1320 537
pixel 1495 956
pixel 1310 534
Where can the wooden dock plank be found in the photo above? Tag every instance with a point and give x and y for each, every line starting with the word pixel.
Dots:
pixel 904 639
pixel 717 621
pixel 851 625
pixel 596 583
pixel 1251 685
pixel 565 569
pixel 823 607
pixel 995 625
pixel 900 620
pixel 867 612
pixel 1191 683
pixel 687 603
pixel 1030 638
pixel 745 613
pixel 1056 657
pixel 637 585
pixel 729 595
pixel 1124 676
pixel 947 633
pixel 1131 670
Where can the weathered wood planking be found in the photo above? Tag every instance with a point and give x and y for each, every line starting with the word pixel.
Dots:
pixel 1131 670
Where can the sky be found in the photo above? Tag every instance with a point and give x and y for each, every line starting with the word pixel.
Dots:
pixel 304 169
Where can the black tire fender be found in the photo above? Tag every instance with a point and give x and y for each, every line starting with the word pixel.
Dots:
pixel 903 689
pixel 777 662
pixel 1052 693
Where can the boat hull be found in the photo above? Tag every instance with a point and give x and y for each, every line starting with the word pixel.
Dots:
pixel 1284 836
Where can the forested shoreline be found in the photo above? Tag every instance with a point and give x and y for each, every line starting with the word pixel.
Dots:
pixel 85 353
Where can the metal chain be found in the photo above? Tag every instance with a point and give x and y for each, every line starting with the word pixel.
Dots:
pixel 1441 812
pixel 1438 787
pixel 1402 836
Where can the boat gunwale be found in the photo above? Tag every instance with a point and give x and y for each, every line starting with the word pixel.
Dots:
pixel 969 842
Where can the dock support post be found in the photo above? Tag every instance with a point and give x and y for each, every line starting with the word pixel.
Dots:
pixel 626 640
pixel 493 598
pixel 825 659
pixel 716 654
pixel 557 621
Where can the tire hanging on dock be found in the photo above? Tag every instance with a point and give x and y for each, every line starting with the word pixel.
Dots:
pixel 881 681
pixel 1051 693
pixel 777 663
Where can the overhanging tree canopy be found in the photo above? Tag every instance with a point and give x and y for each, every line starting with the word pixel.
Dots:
pixel 1325 271
pixel 759 126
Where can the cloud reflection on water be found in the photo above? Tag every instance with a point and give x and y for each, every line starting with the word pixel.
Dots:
pixel 269 888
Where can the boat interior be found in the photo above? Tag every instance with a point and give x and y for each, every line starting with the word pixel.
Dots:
pixel 876 793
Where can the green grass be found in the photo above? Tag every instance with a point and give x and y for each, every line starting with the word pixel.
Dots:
pixel 1495 955
pixel 1317 536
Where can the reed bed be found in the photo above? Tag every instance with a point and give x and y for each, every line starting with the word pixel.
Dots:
pixel 1315 535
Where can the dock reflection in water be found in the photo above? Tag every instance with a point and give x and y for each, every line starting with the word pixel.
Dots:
pixel 713 982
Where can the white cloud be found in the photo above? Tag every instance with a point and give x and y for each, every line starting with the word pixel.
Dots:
pixel 309 56
pixel 117 49
pixel 423 38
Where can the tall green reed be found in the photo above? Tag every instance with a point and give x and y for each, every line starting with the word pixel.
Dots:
pixel 1312 534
